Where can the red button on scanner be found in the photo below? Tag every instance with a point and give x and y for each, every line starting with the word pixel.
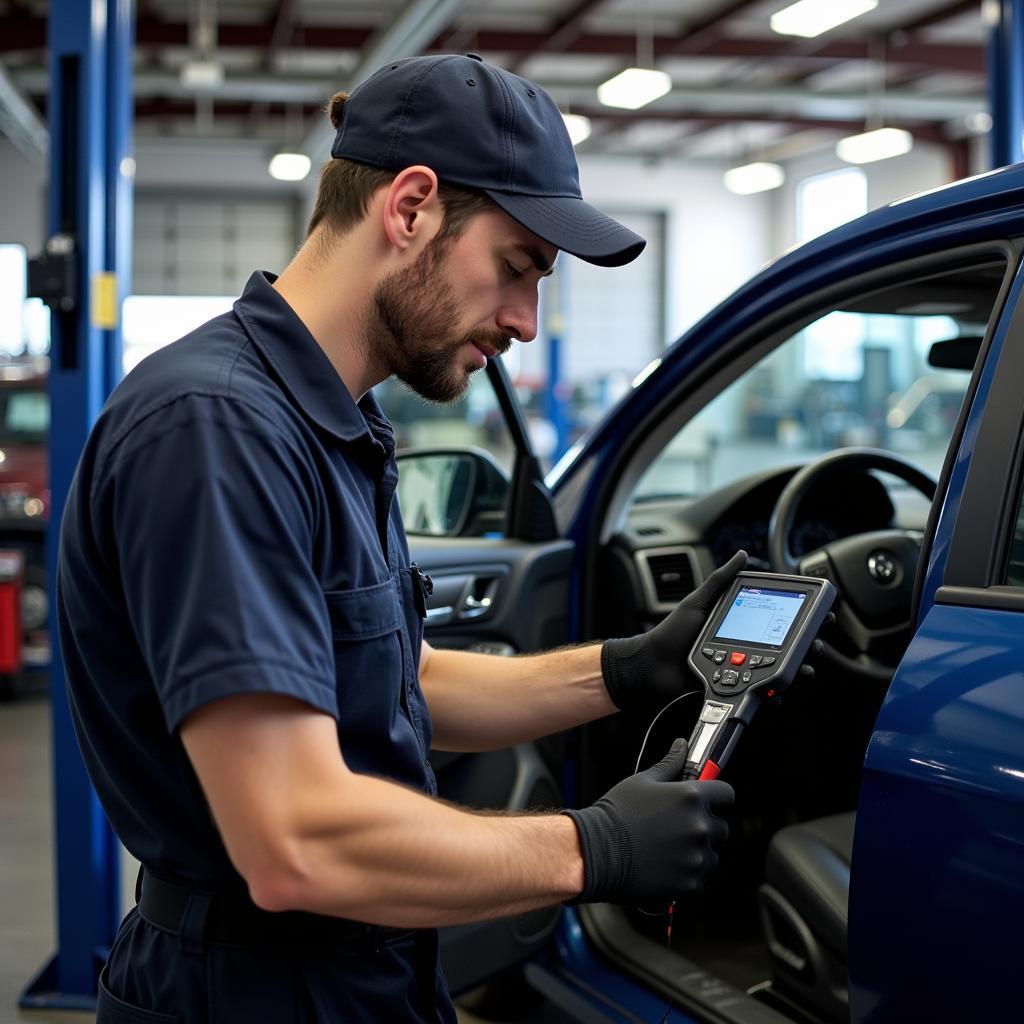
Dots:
pixel 737 658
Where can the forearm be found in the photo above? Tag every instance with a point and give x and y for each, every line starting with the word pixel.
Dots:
pixel 483 702
pixel 395 857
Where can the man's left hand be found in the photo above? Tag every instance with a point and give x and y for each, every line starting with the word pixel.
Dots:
pixel 645 672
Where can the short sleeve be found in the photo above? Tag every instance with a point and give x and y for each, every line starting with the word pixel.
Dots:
pixel 213 513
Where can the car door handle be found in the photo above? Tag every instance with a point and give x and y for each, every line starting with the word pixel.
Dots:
pixel 462 597
pixel 478 597
pixel 472 606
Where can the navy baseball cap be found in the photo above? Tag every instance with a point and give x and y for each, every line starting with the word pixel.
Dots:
pixel 480 127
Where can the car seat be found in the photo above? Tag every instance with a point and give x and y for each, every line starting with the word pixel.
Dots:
pixel 803 910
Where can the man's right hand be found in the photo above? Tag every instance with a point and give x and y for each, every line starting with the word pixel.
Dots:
pixel 652 838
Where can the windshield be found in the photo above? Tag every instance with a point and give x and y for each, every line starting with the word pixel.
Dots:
pixel 848 379
pixel 24 415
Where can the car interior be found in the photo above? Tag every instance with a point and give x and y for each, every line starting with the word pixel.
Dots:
pixel 811 448
pixel 814 440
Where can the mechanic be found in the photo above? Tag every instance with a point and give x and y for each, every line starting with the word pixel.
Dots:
pixel 242 628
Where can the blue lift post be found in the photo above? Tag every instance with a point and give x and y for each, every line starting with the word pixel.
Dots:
pixel 1006 82
pixel 91 177
pixel 554 406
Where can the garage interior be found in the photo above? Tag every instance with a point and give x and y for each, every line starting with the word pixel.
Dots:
pixel 736 163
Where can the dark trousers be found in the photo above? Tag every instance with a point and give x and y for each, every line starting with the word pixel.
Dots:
pixel 154 976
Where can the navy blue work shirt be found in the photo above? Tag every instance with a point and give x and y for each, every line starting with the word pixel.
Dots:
pixel 231 529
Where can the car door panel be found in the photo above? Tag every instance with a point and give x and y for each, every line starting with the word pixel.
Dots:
pixel 940 825
pixel 496 596
pixel 526 585
pixel 940 828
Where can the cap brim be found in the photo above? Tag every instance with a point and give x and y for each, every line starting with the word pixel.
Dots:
pixel 573 226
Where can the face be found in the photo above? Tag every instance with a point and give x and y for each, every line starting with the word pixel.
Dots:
pixel 464 300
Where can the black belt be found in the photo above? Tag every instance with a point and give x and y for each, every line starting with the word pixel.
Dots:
pixel 200 916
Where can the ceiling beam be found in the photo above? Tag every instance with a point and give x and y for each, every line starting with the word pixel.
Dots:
pixel 698 34
pixel 929 132
pixel 947 13
pixel 20 121
pixel 281 33
pixel 30 34
pixel 408 33
pixel 564 31
pixel 798 100
pixel 283 28
pixel 609 119
pixel 22 32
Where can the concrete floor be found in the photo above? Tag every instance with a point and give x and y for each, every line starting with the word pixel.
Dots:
pixel 26 861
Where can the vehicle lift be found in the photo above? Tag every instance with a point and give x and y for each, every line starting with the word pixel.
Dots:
pixel 84 276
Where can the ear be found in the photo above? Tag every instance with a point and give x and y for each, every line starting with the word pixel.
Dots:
pixel 413 212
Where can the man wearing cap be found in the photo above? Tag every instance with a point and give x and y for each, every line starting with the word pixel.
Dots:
pixel 241 625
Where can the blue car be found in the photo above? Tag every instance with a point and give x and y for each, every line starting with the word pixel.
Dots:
pixel 856 412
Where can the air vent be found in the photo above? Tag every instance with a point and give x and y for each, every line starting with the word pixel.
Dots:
pixel 649 531
pixel 672 575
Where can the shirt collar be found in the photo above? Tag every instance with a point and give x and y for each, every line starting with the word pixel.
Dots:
pixel 303 368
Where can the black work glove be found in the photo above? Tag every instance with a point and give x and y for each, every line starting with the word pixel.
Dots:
pixel 645 672
pixel 651 838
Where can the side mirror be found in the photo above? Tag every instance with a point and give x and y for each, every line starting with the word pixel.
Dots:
pixel 451 492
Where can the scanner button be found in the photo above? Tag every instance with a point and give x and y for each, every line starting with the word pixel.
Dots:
pixel 737 658
pixel 717 676
pixel 767 661
pixel 719 657
pixel 730 678
pixel 747 676
pixel 708 652
pixel 755 660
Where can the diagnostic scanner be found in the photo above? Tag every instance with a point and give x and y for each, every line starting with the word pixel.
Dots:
pixel 749 650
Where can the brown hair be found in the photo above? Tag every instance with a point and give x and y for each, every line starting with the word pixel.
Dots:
pixel 346 188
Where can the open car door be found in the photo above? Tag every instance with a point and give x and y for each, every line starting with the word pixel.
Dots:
pixel 500 578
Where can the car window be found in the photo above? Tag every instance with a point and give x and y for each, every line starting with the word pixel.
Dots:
pixel 24 416
pixel 1015 564
pixel 475 420
pixel 850 378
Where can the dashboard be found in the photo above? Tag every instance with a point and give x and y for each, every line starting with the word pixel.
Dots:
pixel 669 545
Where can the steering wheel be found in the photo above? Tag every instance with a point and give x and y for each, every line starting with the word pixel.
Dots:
pixel 873 572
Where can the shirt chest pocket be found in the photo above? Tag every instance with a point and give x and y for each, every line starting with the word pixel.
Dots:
pixel 368 637
pixel 373 672
pixel 364 613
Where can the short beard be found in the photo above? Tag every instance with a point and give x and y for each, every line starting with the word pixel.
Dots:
pixel 408 327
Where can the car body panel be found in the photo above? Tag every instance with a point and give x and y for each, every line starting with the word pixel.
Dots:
pixel 937 890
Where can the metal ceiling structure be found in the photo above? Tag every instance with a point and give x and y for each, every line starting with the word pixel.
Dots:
pixel 739 89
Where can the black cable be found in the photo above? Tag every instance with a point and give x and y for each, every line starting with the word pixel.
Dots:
pixel 672 905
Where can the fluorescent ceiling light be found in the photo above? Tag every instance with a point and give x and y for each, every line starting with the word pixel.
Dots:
pixel 880 144
pixel 809 18
pixel 756 177
pixel 202 74
pixel 634 88
pixel 289 166
pixel 578 127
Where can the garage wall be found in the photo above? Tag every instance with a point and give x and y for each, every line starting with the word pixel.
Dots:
pixel 924 167
pixel 22 199
pixel 714 240
pixel 173 163
pixel 208 244
pixel 703 242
